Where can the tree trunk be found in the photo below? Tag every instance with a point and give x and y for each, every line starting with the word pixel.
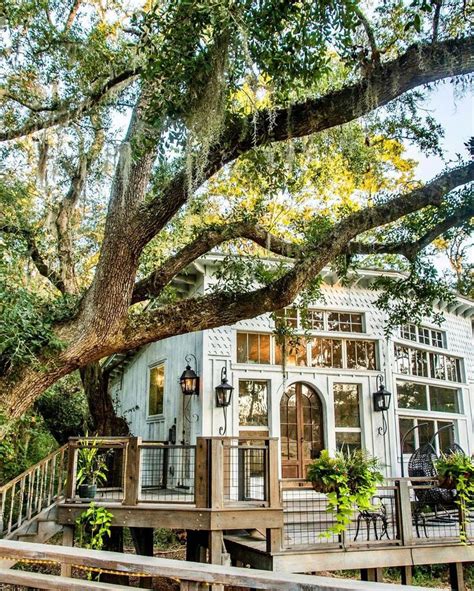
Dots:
pixel 104 418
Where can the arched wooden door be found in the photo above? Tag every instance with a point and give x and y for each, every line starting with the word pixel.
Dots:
pixel 302 429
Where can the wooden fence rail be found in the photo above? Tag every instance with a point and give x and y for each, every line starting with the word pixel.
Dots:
pixel 190 574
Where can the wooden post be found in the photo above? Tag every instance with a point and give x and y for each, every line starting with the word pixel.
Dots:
pixel 371 574
pixel 406 575
pixel 404 515
pixel 143 541
pixel 216 540
pixel 68 540
pixel 274 499
pixel 274 539
pixel 188 586
pixel 456 576
pixel 217 474
pixel 132 471
pixel 201 473
pixel 71 471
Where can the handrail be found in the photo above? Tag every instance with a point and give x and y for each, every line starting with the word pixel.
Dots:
pixel 10 483
pixel 186 572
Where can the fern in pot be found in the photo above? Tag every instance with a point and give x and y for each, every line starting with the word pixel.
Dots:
pixel 349 480
pixel 91 468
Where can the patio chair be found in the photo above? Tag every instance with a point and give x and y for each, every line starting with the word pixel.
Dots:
pixel 377 513
pixel 422 463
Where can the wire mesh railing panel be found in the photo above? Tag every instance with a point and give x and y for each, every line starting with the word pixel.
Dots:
pixel 435 514
pixel 376 524
pixel 99 471
pixel 306 519
pixel 245 473
pixel 167 473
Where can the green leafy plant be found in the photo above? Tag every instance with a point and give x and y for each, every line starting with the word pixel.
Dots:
pixel 349 480
pixel 456 470
pixel 91 463
pixel 93 526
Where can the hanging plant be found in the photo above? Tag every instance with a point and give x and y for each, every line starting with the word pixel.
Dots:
pixel 456 471
pixel 349 480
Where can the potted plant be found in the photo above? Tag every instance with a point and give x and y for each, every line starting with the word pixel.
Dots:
pixel 349 480
pixel 91 468
pixel 456 471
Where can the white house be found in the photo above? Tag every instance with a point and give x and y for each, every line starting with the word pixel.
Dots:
pixel 322 397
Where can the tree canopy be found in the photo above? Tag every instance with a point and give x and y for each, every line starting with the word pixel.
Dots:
pixel 137 137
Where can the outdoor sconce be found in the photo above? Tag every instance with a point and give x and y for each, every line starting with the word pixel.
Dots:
pixel 382 403
pixel 189 380
pixel 224 397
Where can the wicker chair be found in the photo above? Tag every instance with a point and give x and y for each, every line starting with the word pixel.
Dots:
pixel 422 463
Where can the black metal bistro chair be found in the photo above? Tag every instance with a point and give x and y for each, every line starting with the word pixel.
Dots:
pixel 373 516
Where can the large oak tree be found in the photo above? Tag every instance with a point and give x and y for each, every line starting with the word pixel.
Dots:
pixel 204 86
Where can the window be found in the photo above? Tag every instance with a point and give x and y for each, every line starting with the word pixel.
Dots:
pixel 347 416
pixel 425 397
pixel 156 390
pixel 425 433
pixel 344 322
pixel 296 352
pixel 326 352
pixel 312 319
pixel 253 409
pixel 421 334
pixel 361 355
pixel 253 348
pixel 415 362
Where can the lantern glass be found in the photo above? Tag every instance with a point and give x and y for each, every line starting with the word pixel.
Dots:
pixel 382 399
pixel 224 394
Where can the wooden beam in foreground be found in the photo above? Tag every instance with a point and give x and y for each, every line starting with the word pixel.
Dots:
pixel 184 571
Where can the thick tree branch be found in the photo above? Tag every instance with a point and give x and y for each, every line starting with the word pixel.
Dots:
pixel 369 31
pixel 64 112
pixel 410 249
pixel 153 284
pixel 41 265
pixel 213 310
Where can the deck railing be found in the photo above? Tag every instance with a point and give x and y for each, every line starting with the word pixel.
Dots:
pixel 191 575
pixel 217 472
pixel 399 516
pixel 28 494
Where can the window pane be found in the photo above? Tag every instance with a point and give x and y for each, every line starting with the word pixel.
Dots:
pixel 296 352
pixel 437 366
pixel 316 320
pixel 424 335
pixel 264 348
pixel 333 321
pixel 402 359
pixel 346 405
pixel 411 395
pixel 360 354
pixel 252 348
pixel 436 338
pixel 409 443
pixel 348 441
pixel 156 390
pixel 253 403
pixel 444 399
pixel 326 353
pixel 242 354
pixel 453 369
pixel 356 322
pixel 408 331
pixel 446 436
pixel 426 432
pixel 419 363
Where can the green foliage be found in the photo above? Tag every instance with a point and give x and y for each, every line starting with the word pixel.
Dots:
pixel 64 408
pixel 91 463
pixel 28 441
pixel 349 480
pixel 456 470
pixel 94 526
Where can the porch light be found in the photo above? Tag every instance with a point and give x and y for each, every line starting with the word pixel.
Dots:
pixel 224 397
pixel 381 399
pixel 189 380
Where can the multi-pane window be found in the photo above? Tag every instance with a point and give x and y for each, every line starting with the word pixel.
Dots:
pixel 415 362
pixel 253 403
pixel 426 397
pixel 347 416
pixel 296 352
pixel 156 390
pixel 253 348
pixel 424 433
pixel 421 334
pixel 361 355
pixel 344 322
pixel 324 320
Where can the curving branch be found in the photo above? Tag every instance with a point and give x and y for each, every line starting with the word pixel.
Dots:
pixel 40 264
pixel 63 112
pixel 410 249
pixel 153 284
pixel 369 31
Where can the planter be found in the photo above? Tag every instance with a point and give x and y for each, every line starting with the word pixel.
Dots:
pixel 87 491
pixel 321 487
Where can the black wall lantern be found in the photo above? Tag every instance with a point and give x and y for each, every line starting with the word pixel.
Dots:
pixel 382 400
pixel 224 397
pixel 189 380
